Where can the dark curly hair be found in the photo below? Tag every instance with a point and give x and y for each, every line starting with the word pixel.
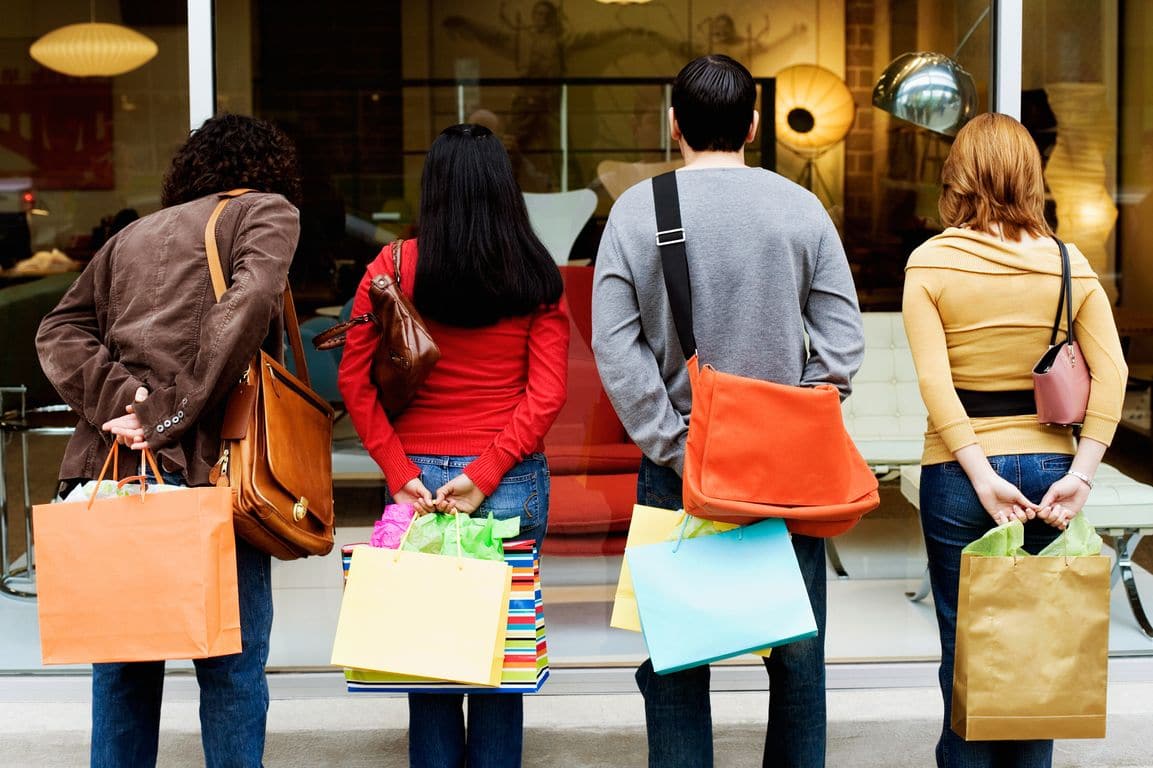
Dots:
pixel 231 151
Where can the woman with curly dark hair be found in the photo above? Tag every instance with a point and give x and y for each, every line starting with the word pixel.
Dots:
pixel 146 356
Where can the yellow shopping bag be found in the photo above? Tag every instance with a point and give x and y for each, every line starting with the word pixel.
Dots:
pixel 650 525
pixel 436 616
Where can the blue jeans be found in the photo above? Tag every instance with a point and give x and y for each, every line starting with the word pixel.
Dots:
pixel 951 518
pixel 677 711
pixel 233 690
pixel 494 736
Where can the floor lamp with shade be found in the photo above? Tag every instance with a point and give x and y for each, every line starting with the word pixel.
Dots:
pixel 814 112
pixel 929 89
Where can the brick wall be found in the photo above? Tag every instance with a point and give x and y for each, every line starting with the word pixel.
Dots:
pixel 860 76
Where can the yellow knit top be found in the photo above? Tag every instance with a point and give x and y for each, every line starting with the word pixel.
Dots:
pixel 978 313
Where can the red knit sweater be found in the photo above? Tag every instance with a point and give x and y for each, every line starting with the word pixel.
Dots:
pixel 493 394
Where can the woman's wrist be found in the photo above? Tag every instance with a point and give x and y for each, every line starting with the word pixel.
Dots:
pixel 1084 478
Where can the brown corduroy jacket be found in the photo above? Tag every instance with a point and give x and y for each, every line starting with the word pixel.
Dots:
pixel 143 313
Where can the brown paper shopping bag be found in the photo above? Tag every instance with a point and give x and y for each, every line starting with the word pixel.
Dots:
pixel 137 578
pixel 434 616
pixel 1032 648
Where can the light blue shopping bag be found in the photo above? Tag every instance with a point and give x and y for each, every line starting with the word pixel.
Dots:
pixel 714 597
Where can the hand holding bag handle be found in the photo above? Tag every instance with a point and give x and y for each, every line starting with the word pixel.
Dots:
pixel 113 458
pixel 1061 379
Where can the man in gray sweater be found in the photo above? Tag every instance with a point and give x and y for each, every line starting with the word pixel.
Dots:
pixel 766 268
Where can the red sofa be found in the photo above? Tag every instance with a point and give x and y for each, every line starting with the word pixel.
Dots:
pixel 593 462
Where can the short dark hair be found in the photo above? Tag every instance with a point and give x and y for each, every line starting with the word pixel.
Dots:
pixel 478 258
pixel 230 152
pixel 713 99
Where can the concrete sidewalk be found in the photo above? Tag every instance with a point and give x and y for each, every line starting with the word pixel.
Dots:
pixel 868 728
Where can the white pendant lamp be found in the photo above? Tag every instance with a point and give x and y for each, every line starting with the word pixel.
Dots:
pixel 93 49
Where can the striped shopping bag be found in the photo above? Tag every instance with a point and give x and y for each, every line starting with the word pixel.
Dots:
pixel 526 650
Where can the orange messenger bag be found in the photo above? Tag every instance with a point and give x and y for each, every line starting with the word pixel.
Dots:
pixel 758 448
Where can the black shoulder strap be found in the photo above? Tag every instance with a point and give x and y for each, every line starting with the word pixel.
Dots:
pixel 1065 300
pixel 675 263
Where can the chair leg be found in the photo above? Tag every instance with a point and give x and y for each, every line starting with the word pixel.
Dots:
pixel 922 590
pixel 1123 569
pixel 835 559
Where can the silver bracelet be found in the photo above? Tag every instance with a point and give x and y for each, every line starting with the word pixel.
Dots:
pixel 1082 477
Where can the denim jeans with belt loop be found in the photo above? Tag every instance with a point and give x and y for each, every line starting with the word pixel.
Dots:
pixel 677 711
pixel 493 737
pixel 233 689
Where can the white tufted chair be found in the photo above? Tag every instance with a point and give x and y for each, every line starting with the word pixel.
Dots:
pixel 885 415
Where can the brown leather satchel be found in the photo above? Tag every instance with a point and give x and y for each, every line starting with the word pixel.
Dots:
pixel 405 352
pixel 276 442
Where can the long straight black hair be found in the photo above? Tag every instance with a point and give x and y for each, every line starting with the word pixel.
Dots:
pixel 479 261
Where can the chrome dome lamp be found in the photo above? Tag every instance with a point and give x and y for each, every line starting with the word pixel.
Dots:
pixel 929 89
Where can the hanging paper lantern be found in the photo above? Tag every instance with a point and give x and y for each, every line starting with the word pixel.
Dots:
pixel 93 50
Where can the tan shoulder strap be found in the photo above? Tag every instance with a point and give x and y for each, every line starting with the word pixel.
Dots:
pixel 220 285
pixel 215 265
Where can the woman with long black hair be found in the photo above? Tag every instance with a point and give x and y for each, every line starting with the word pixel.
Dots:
pixel 471 439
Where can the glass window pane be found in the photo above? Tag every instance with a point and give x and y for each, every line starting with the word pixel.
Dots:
pixel 579 94
pixel 81 157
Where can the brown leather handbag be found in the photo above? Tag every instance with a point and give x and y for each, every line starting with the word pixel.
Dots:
pixel 405 352
pixel 276 442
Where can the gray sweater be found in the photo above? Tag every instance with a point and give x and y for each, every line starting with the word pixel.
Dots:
pixel 766 267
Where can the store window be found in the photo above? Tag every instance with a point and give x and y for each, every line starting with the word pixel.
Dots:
pixel 81 156
pixel 1134 157
pixel 1088 101
pixel 893 166
pixel 578 90
pixel 85 153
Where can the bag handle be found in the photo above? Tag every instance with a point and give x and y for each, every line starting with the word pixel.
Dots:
pixel 337 335
pixel 114 459
pixel 396 244
pixel 1065 300
pixel 459 544
pixel 220 285
pixel 331 338
pixel 674 259
pixel 682 524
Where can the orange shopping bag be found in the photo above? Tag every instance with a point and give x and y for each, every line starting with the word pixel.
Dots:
pixel 139 577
